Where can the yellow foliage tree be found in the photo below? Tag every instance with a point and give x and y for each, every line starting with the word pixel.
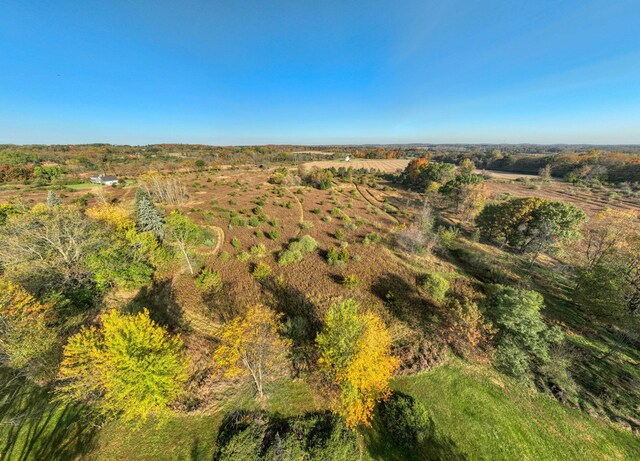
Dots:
pixel 129 368
pixel 252 348
pixel 355 354
pixel 114 215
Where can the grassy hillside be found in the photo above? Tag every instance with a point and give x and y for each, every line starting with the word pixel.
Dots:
pixel 477 414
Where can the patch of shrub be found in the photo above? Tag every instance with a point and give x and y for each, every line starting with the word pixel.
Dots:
pixel 338 256
pixel 257 436
pixel 371 238
pixel 289 257
pixel 235 243
pixel 224 256
pixel 244 256
pixel 307 244
pixel 274 234
pixel 350 281
pixel 208 279
pixel 404 419
pixel 436 286
pixel 237 221
pixel 258 250
pixel 261 271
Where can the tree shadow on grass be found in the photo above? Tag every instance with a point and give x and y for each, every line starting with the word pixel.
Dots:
pixel 33 427
pixel 302 321
pixel 160 300
pixel 404 301
pixel 434 446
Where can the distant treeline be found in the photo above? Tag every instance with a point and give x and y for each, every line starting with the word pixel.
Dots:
pixel 20 163
pixel 612 167
pixel 40 162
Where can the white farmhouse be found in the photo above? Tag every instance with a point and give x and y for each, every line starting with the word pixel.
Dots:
pixel 105 179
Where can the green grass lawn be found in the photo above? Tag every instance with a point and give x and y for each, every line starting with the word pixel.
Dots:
pixel 480 415
pixel 81 186
pixel 477 415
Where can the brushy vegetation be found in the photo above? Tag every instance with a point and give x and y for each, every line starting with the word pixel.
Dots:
pixel 522 320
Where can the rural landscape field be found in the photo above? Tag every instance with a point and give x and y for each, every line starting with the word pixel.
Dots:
pixel 319 231
pixel 488 350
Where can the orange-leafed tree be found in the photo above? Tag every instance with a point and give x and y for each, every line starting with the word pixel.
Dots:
pixel 355 355
pixel 252 348
pixel 414 168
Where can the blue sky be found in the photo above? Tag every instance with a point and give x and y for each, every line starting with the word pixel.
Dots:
pixel 316 72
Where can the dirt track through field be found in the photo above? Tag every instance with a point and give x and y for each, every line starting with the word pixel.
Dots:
pixel 375 205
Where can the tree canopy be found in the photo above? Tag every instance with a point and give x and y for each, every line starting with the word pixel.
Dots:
pixel 355 354
pixel 129 367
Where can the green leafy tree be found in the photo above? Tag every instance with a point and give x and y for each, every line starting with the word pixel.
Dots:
pixel 433 173
pixel 185 235
pixel 532 224
pixel 523 339
pixel 27 343
pixel 47 173
pixel 128 368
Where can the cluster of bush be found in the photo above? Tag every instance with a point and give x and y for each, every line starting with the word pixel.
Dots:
pixel 295 251
pixel 257 436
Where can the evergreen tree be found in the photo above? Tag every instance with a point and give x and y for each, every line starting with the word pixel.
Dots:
pixel 148 217
pixel 53 199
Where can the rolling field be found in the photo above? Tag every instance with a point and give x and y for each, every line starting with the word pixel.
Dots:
pixel 388 166
pixel 477 413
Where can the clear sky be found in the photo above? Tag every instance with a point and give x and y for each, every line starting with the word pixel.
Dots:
pixel 314 72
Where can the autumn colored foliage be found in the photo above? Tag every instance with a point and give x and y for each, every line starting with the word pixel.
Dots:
pixel 355 354
pixel 129 367
pixel 251 348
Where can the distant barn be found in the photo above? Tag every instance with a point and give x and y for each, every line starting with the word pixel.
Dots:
pixel 105 179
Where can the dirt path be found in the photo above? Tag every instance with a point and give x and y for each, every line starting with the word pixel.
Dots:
pixel 375 205
pixel 219 238
pixel 301 211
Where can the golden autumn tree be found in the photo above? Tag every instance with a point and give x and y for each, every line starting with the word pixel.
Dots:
pixel 128 368
pixel 114 215
pixel 252 348
pixel 355 354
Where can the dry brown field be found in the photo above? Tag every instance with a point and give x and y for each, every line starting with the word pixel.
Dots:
pixel 388 166
pixel 590 201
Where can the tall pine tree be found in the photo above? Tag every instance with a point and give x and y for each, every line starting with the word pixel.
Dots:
pixel 148 217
